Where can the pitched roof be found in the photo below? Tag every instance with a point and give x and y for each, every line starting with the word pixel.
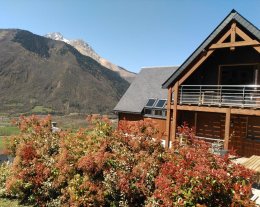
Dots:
pixel 147 84
pixel 233 16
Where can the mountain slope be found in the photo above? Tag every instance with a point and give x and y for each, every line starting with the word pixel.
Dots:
pixel 37 71
pixel 85 49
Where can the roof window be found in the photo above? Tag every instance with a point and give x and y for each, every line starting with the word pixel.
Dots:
pixel 150 102
pixel 160 103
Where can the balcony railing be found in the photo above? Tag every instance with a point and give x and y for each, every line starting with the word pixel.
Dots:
pixel 220 95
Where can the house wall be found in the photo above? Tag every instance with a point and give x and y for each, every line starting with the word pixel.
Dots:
pixel 245 135
pixel 244 130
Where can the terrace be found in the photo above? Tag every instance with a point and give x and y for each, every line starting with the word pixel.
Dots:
pixel 241 96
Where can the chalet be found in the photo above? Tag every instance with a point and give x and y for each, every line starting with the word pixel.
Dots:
pixel 216 90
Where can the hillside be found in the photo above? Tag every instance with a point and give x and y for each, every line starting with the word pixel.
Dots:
pixel 41 74
pixel 85 49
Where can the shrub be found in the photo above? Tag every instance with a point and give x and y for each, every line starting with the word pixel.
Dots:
pixel 99 166
pixel 193 175
pixel 5 171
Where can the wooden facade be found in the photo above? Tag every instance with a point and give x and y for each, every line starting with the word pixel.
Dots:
pixel 218 92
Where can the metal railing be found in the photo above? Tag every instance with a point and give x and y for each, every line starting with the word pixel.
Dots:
pixel 220 95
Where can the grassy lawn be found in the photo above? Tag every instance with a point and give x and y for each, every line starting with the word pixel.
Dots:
pixel 9 203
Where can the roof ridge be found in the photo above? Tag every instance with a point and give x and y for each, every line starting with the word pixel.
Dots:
pixel 170 66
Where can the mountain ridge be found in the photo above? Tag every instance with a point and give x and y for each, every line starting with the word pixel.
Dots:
pixel 85 49
pixel 38 71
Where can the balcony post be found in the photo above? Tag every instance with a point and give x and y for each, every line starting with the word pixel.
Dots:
pixel 168 118
pixel 220 96
pixel 227 128
pixel 174 120
pixel 243 101
pixel 200 97
pixel 181 95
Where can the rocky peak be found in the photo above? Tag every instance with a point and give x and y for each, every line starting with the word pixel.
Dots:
pixel 85 49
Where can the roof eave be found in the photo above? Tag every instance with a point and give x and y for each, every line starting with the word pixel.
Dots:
pixel 128 112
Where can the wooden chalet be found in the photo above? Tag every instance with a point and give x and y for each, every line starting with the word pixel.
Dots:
pixel 217 89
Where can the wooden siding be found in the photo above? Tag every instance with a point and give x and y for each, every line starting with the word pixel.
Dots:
pixel 210 125
pixel 129 117
pixel 245 135
pixel 244 130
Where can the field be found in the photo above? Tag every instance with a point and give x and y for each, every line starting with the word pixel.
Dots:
pixel 6 129
pixel 10 203
pixel 72 121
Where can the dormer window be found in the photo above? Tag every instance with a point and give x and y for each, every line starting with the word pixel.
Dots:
pixel 155 108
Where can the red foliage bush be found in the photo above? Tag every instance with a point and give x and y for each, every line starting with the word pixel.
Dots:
pixel 99 166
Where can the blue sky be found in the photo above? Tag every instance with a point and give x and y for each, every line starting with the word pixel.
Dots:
pixel 130 33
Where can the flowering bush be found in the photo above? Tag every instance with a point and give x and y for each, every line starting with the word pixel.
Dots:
pixel 5 173
pixel 194 175
pixel 99 166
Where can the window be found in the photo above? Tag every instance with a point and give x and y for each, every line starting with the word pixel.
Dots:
pixel 238 74
pixel 161 103
pixel 158 112
pixel 150 102
pixel 155 107
pixel 148 111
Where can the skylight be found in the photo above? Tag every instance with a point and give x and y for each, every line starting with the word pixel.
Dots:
pixel 150 102
pixel 161 103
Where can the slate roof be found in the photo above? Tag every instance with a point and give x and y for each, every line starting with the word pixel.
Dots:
pixel 147 84
pixel 233 15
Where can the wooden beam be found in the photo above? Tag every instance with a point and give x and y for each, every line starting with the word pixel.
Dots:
pixel 201 108
pixel 247 38
pixel 250 112
pixel 257 48
pixel 227 128
pixel 195 66
pixel 174 113
pixel 233 35
pixel 235 44
pixel 243 35
pixel 222 39
pixel 241 111
pixel 168 118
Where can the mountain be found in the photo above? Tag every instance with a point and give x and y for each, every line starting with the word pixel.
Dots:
pixel 39 74
pixel 85 49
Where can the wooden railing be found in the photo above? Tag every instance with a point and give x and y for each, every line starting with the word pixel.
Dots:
pixel 220 95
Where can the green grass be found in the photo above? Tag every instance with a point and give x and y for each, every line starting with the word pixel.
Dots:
pixel 8 130
pixel 1 143
pixel 10 203
pixel 41 109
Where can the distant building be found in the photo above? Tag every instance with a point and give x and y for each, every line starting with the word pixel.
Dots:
pixel 145 98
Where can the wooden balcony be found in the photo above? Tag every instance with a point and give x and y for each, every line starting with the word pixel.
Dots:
pixel 240 96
